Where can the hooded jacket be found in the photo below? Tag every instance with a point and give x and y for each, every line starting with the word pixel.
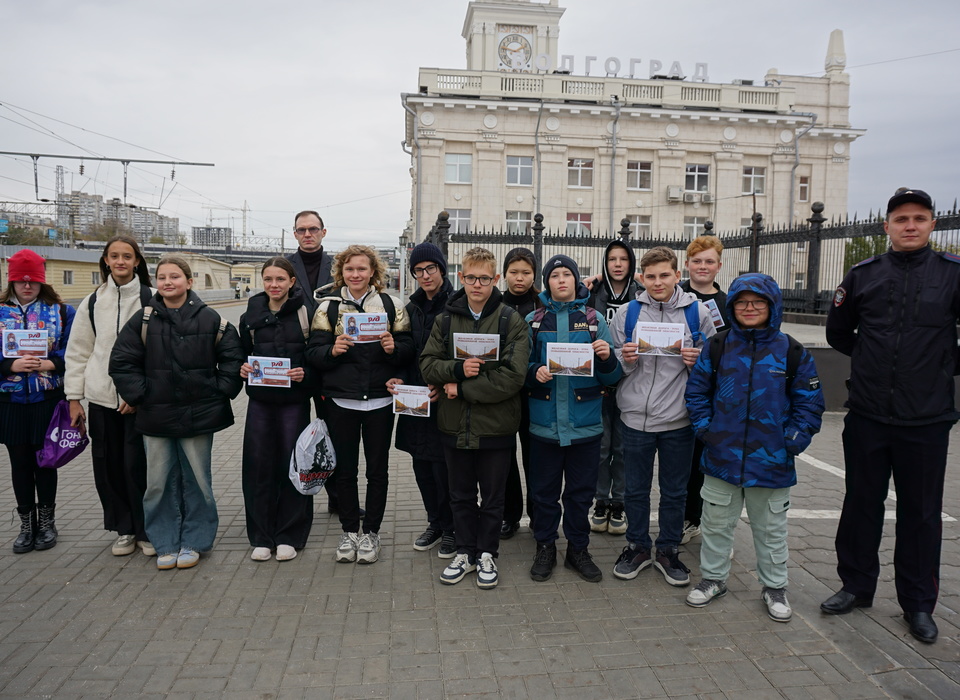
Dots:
pixel 650 395
pixel 602 297
pixel 567 409
pixel 751 423
pixel 267 333
pixel 181 380
pixel 486 412
pixel 57 320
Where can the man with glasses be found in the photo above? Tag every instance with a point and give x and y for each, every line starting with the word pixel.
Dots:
pixel 896 315
pixel 310 262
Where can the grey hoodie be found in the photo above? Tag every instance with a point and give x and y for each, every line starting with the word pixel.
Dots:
pixel 650 395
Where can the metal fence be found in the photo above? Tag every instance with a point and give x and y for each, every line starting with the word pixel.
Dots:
pixel 808 260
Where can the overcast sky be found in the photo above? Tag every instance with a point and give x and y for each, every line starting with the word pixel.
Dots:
pixel 298 104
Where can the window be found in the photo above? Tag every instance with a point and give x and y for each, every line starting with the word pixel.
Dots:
pixel 95 278
pixel 459 168
pixel 519 170
pixel 640 225
pixel 639 175
pixel 799 280
pixel 803 191
pixel 801 246
pixel 754 180
pixel 580 172
pixel 459 220
pixel 693 225
pixel 519 221
pixel 578 224
pixel 746 225
pixel 68 276
pixel 698 178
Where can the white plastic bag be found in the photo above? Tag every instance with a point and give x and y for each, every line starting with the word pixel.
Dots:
pixel 313 459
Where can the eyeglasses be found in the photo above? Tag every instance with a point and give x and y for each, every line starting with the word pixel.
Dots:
pixel 428 270
pixel 313 230
pixel 758 304
pixel 473 279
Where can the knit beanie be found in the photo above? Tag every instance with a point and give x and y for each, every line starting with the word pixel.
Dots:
pixel 560 261
pixel 26 266
pixel 524 254
pixel 428 252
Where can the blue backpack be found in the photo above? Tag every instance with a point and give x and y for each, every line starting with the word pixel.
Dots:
pixel 691 313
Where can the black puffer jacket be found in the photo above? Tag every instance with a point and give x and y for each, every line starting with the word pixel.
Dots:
pixel 278 334
pixel 420 437
pixel 181 381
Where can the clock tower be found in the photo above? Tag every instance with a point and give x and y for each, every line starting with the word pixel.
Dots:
pixel 512 36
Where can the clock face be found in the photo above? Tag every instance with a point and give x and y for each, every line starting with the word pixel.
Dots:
pixel 515 52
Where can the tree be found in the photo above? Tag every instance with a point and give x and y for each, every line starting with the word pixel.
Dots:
pixel 861 248
pixel 24 235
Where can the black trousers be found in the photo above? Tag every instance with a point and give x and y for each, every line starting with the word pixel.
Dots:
pixel 276 512
pixel 31 484
pixel 916 456
pixel 347 429
pixel 694 507
pixel 569 473
pixel 119 469
pixel 477 525
pixel 434 486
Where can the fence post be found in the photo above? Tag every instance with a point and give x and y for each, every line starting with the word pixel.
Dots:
pixel 624 231
pixel 813 258
pixel 708 228
pixel 757 227
pixel 442 228
pixel 538 240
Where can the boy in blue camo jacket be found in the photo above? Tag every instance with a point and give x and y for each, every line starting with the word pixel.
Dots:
pixel 754 412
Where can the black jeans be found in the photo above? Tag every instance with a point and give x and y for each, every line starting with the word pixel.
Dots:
pixel 347 429
pixel 276 512
pixel 434 485
pixel 29 479
pixel 477 526
pixel 694 508
pixel 572 471
pixel 119 469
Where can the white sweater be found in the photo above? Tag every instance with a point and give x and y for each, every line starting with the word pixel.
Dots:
pixel 88 356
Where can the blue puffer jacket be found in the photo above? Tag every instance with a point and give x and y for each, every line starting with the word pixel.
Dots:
pixel 568 409
pixel 33 387
pixel 751 423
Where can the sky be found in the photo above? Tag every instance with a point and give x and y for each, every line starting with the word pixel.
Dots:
pixel 298 103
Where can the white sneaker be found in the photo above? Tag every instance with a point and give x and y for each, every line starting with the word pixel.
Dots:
pixel 146 548
pixel 457 569
pixel 778 609
pixel 487 571
pixel 260 554
pixel 689 532
pixel 125 544
pixel 347 549
pixel 706 591
pixel 285 552
pixel 368 548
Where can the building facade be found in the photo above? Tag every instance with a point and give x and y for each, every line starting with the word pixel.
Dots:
pixel 85 212
pixel 518 133
pixel 212 236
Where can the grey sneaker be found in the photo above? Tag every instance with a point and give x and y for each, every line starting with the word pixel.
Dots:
pixel 125 544
pixel 705 592
pixel 368 548
pixel 778 608
pixel 632 561
pixel 448 546
pixel 617 524
pixel 690 530
pixel 347 549
pixel 674 572
pixel 598 521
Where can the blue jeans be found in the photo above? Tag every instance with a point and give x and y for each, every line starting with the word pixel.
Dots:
pixel 178 507
pixel 674 450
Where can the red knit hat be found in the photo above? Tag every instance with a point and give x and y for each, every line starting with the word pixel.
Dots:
pixel 26 266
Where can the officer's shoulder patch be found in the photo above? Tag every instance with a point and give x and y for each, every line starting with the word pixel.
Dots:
pixel 839 296
pixel 952 257
pixel 872 258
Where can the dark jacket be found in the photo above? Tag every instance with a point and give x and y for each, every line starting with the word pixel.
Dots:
pixel 486 412
pixel 751 423
pixel 420 437
pixel 277 334
pixel 896 316
pixel 303 280
pixel 181 381
pixel 719 297
pixel 525 303
pixel 602 296
pixel 363 370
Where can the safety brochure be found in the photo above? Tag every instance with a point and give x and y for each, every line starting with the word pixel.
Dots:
pixel 366 328
pixel 570 359
pixel 30 343
pixel 486 346
pixel 412 400
pixel 658 338
pixel 714 310
pixel 269 371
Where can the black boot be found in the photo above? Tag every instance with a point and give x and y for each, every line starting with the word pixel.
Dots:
pixel 544 561
pixel 28 524
pixel 46 527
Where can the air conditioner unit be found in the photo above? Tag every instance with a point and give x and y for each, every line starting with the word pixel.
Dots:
pixel 690 197
pixel 674 194
pixel 706 198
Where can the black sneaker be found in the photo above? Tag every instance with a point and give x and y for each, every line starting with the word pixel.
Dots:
pixel 674 572
pixel 632 561
pixel 580 561
pixel 448 546
pixel 508 530
pixel 428 540
pixel 544 561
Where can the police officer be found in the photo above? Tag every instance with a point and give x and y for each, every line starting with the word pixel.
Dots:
pixel 896 315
